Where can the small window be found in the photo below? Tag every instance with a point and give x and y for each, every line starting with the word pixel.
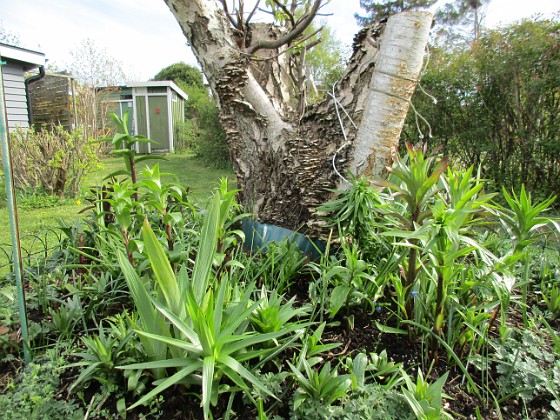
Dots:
pixel 174 97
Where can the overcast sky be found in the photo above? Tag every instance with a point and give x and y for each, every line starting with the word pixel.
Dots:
pixel 145 36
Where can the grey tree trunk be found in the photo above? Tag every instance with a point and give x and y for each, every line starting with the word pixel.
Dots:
pixel 283 159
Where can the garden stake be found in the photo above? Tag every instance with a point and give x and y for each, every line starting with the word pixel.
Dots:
pixel 12 215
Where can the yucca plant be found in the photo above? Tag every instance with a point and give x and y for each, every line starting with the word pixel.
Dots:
pixel 198 324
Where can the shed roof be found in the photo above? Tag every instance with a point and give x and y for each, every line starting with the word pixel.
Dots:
pixel 28 58
pixel 160 83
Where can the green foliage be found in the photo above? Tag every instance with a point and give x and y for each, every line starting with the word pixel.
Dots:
pixel 38 200
pixel 54 161
pixel 205 133
pixel 551 296
pixel 123 145
pixel 33 393
pixel 206 327
pixel 527 369
pixel 324 62
pixel 273 314
pixel 352 281
pixel 425 398
pixel 322 387
pixel 202 132
pixel 353 212
pixel 107 349
pixel 182 74
pixel 374 402
pixel 497 103
pixel 451 285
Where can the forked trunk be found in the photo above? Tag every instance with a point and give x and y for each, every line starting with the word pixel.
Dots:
pixel 284 159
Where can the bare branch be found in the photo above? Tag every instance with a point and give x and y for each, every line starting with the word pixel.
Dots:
pixel 226 10
pixel 307 47
pixel 252 13
pixel 290 36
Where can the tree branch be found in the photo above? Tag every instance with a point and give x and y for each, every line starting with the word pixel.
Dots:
pixel 290 36
pixel 252 13
pixel 226 10
pixel 285 10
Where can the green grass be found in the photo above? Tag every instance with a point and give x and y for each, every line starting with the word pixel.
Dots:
pixel 183 169
pixel 37 217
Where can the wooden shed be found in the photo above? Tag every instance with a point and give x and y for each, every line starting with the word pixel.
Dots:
pixel 18 61
pixel 158 107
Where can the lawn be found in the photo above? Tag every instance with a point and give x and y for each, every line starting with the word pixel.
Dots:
pixel 38 214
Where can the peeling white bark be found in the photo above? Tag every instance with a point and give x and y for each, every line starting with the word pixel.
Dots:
pixel 398 66
pixel 260 101
pixel 282 158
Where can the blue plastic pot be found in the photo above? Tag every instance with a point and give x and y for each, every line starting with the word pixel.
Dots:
pixel 258 235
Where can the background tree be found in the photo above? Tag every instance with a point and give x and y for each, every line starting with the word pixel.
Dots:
pixel 9 37
pixel 182 74
pixel 91 65
pixel 325 62
pixel 282 151
pixel 462 14
pixel 498 104
pixel 377 10
pixel 98 75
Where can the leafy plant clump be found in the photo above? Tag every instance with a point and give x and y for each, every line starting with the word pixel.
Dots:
pixel 54 161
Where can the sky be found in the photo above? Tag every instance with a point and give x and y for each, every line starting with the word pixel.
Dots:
pixel 145 37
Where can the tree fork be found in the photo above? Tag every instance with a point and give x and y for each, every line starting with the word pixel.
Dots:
pixel 283 161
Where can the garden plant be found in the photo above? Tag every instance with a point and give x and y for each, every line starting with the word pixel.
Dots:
pixel 433 299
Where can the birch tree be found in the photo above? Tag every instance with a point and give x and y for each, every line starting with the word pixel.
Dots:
pixel 287 154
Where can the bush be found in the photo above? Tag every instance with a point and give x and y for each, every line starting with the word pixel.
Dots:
pixel 206 133
pixel 53 161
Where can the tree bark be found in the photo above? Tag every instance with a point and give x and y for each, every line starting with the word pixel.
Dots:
pixel 282 158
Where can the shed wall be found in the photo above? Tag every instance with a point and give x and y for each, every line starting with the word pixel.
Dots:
pixel 14 94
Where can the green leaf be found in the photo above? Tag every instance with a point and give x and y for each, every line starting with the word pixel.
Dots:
pixel 172 380
pixel 209 238
pixel 390 330
pixel 162 269
pixel 338 299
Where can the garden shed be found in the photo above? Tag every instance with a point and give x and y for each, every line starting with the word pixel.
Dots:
pixel 18 61
pixel 159 106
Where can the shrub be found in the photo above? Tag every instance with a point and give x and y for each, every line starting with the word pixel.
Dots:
pixel 54 160
pixel 209 139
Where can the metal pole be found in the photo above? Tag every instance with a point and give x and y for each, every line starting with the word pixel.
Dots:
pixel 12 215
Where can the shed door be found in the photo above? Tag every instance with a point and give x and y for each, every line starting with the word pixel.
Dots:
pixel 159 122
pixel 142 123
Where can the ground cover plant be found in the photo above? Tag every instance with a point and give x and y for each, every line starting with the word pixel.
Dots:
pixel 431 300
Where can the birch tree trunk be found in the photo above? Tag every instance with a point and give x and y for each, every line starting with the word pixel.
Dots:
pixel 284 159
